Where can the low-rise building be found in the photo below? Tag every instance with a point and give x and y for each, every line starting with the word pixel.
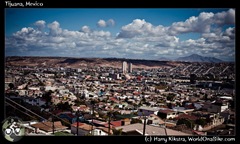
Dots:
pixel 137 129
pixel 146 111
pixel 83 129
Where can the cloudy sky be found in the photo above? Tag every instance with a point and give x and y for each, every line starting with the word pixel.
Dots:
pixel 123 33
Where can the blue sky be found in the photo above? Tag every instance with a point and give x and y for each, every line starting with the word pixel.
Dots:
pixel 142 33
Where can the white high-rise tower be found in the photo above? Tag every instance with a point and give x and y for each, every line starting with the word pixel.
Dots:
pixel 124 67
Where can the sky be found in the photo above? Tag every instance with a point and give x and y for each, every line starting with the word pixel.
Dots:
pixel 136 33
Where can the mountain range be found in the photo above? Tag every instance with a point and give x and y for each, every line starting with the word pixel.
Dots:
pixel 198 58
pixel 193 58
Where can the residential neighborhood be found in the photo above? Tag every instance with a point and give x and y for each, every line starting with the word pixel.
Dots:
pixel 188 99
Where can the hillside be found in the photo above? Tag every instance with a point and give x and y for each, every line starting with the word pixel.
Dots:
pixel 85 62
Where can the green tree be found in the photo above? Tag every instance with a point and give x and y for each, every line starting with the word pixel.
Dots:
pixel 64 106
pixel 133 121
pixel 117 132
pixel 170 97
pixel 126 99
pixel 201 122
pixel 11 85
pixel 162 115
pixel 187 122
pixel 79 102
pixel 47 97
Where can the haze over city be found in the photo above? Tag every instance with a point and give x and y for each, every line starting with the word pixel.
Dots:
pixel 122 33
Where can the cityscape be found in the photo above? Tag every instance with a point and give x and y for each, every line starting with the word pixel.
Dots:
pixel 128 76
pixel 175 98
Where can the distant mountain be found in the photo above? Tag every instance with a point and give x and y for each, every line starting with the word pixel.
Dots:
pixel 198 58
pixel 164 59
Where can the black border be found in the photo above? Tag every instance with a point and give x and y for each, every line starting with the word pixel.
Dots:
pixel 130 4
pixel 110 4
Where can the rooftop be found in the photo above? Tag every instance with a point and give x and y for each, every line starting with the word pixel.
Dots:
pixel 151 130
pixel 47 126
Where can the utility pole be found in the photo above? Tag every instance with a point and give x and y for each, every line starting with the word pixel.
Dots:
pixel 52 124
pixel 92 114
pixel 109 122
pixel 77 120
pixel 144 125
pixel 165 127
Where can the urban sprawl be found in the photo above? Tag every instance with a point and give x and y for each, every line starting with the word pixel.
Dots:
pixel 185 100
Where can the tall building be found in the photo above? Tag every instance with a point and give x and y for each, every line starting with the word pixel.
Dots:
pixel 124 67
pixel 130 68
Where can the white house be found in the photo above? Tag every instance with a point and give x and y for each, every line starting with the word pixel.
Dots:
pixel 167 113
pixel 146 111
pixel 217 107
pixel 52 88
pixel 34 88
pixel 101 131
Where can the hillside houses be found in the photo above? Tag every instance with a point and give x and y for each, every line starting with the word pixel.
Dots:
pixel 163 97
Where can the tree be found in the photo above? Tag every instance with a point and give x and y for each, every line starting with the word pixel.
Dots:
pixel 79 102
pixel 143 100
pixel 169 105
pixel 135 105
pixel 11 85
pixel 201 122
pixel 187 122
pixel 117 132
pixel 47 97
pixel 170 97
pixel 162 115
pixel 126 99
pixel 133 121
pixel 64 106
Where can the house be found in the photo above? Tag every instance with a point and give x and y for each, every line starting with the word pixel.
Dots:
pixel 227 115
pixel 98 122
pixel 167 113
pixel 47 127
pixel 116 123
pixel 52 88
pixel 101 131
pixel 83 128
pixel 217 107
pixel 155 120
pixel 35 101
pixel 125 121
pixel 146 111
pixel 137 129
pixel 214 120
pixel 182 110
pixel 66 115
pixel 186 116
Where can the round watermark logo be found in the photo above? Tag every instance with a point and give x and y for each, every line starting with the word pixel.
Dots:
pixel 13 129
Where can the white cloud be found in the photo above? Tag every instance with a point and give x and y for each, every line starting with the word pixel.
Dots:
pixel 57 40
pixel 54 28
pixel 85 29
pixel 228 36
pixel 141 27
pixel 203 23
pixel 225 17
pixel 138 39
pixel 199 24
pixel 101 23
pixel 40 24
pixel 110 22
